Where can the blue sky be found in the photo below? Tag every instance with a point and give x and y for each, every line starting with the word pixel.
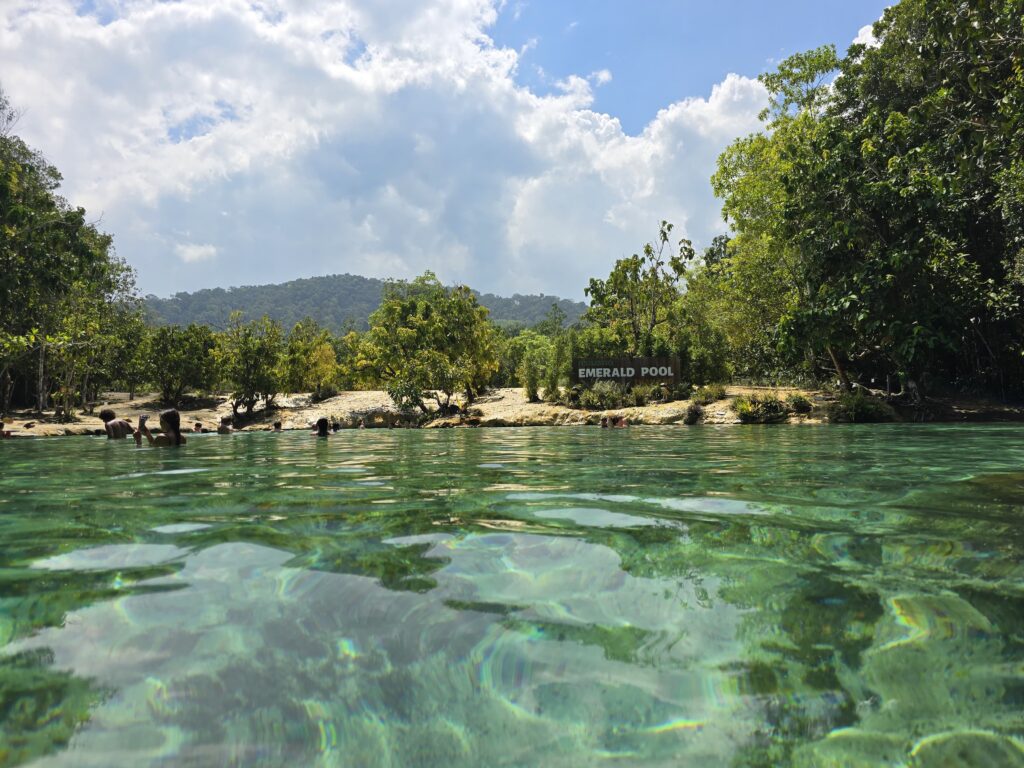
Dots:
pixel 661 51
pixel 513 145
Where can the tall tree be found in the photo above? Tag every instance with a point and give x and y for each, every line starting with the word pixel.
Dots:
pixel 429 341
pixel 635 300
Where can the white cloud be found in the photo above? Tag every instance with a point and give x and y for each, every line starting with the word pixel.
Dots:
pixel 601 77
pixel 865 36
pixel 191 252
pixel 378 137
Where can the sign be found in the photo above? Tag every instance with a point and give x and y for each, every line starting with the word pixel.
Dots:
pixel 627 370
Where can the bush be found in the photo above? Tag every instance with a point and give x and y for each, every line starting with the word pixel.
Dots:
pixel 589 400
pixel 529 377
pixel 761 409
pixel 799 403
pixel 856 407
pixel 681 391
pixel 709 394
pixel 693 413
pixel 604 395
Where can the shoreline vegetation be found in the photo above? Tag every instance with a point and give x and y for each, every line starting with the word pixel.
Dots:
pixel 875 256
pixel 503 407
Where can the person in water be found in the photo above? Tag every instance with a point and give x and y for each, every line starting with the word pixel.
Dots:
pixel 277 426
pixel 116 429
pixel 323 427
pixel 4 433
pixel 170 424
pixel 198 428
pixel 225 427
pixel 604 422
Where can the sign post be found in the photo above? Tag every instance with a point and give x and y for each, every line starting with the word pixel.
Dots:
pixel 626 370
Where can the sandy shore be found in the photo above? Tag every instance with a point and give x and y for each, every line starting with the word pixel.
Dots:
pixel 497 408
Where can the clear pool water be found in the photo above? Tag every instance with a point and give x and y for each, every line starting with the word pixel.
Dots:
pixel 566 597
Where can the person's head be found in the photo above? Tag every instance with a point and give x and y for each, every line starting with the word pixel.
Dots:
pixel 197 427
pixel 335 426
pixel 225 421
pixel 321 426
pixel 277 426
pixel 604 421
pixel 107 414
pixel 170 422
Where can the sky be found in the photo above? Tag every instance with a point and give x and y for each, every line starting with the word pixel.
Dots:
pixel 517 146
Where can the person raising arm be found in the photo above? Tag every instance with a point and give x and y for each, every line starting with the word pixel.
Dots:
pixel 170 423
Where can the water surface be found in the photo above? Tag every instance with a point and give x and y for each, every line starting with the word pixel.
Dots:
pixel 810 596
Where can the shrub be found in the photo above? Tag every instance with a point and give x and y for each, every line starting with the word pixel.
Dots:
pixel 681 391
pixel 610 394
pixel 571 396
pixel 529 377
pixel 856 407
pixel 799 403
pixel 709 394
pixel 589 400
pixel 761 409
pixel 693 413
pixel 638 396
pixel 604 395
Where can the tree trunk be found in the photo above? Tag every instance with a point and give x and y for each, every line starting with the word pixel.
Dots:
pixel 85 391
pixel 844 380
pixel 40 379
pixel 6 390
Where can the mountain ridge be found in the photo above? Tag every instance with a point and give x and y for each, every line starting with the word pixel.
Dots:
pixel 337 302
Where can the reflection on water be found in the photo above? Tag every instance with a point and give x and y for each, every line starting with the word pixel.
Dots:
pixel 748 597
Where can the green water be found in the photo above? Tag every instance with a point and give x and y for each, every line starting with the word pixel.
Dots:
pixel 809 596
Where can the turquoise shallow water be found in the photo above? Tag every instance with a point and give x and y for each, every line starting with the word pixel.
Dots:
pixel 738 596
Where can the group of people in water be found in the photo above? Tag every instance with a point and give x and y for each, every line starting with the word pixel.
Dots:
pixel 170 433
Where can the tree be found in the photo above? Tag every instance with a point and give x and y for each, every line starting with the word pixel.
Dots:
pixel 431 341
pixel 61 290
pixel 635 300
pixel 903 202
pixel 182 359
pixel 310 363
pixel 249 357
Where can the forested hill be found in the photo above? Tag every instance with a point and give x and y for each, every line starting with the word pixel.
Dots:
pixel 336 302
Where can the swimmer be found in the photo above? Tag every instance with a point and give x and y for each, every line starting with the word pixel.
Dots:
pixel 322 426
pixel 277 426
pixel 225 427
pixel 116 429
pixel 197 428
pixel 170 423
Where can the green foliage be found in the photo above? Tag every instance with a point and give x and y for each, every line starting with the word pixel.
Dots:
pixel 63 294
pixel 529 376
pixel 513 354
pixel 427 340
pixel 918 144
pixel 761 409
pixel 249 357
pixel 182 360
pixel 799 403
pixel 708 394
pixel 694 411
pixel 310 362
pixel 635 302
pixel 857 407
pixel 557 368
pixel 603 395
pixel 340 303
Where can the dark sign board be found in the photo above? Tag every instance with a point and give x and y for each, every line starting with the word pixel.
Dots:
pixel 627 370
